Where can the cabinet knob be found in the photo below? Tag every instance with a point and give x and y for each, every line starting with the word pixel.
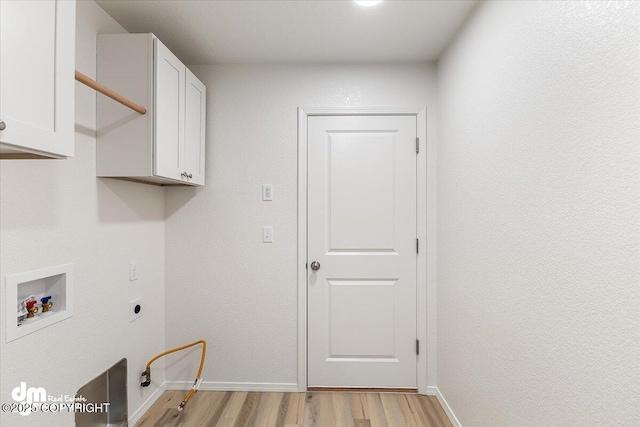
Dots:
pixel 190 176
pixel 3 126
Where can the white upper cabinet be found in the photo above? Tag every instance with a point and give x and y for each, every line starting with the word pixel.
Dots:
pixel 165 146
pixel 37 63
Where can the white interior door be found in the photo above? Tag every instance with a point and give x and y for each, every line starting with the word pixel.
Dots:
pixel 362 235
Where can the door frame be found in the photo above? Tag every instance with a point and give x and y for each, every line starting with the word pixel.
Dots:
pixel 426 253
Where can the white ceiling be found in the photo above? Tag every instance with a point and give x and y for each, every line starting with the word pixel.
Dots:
pixel 207 32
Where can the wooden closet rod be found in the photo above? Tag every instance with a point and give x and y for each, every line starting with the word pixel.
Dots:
pixel 108 92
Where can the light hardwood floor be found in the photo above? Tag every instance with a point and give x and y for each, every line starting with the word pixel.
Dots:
pixel 318 409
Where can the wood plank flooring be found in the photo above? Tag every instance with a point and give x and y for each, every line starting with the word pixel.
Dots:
pixel 312 409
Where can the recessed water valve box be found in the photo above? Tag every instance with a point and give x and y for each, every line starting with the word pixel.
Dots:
pixel 37 299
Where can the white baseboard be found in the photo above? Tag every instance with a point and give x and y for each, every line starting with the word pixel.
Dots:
pixel 133 419
pixel 435 391
pixel 431 391
pixel 233 386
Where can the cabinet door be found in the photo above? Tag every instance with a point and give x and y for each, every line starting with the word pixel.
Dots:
pixel 169 76
pixel 195 115
pixel 37 62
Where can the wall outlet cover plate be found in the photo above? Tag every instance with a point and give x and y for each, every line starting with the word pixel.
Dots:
pixel 267 192
pixel 133 271
pixel 135 309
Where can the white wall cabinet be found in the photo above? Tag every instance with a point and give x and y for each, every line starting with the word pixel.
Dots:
pixel 37 89
pixel 166 146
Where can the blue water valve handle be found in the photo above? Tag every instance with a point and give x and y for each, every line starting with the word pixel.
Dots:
pixel 45 299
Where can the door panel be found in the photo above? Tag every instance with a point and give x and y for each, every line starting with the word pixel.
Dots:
pixel 169 113
pixel 361 191
pixel 37 60
pixel 362 231
pixel 195 113
pixel 365 328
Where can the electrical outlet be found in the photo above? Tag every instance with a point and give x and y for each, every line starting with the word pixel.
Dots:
pixel 267 234
pixel 135 309
pixel 267 192
pixel 133 271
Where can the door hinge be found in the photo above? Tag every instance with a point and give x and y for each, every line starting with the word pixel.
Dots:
pixel 417 144
pixel 417 346
pixel 306 265
pixel 417 246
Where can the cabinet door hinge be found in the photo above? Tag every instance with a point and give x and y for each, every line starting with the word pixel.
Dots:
pixel 417 246
pixel 417 144
pixel 417 346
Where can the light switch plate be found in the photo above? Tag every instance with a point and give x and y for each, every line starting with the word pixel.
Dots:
pixel 135 309
pixel 267 234
pixel 267 192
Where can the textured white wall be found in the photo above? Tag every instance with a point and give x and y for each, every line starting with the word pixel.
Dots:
pixel 223 283
pixel 57 211
pixel 539 215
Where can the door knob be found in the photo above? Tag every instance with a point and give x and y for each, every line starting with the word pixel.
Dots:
pixel 315 266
